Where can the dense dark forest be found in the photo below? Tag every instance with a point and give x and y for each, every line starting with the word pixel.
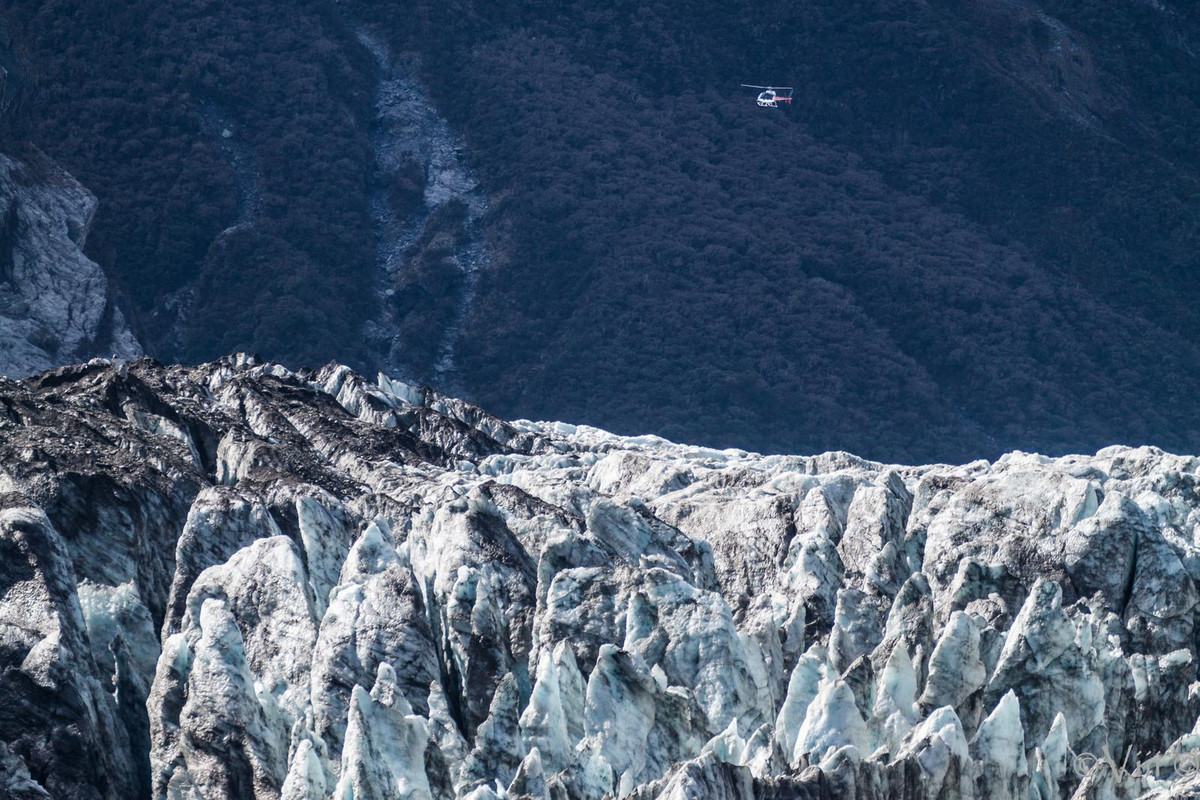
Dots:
pixel 128 97
pixel 14 89
pixel 976 229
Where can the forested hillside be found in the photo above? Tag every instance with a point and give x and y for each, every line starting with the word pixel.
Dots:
pixel 976 229
pixel 133 99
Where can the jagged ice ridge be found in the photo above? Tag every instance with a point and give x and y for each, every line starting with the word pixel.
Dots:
pixel 236 581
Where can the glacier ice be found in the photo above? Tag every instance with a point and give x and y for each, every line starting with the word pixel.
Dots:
pixel 248 581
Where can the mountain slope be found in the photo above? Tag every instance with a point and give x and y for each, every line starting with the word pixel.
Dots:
pixel 56 305
pixel 234 581
pixel 994 194
pixel 974 232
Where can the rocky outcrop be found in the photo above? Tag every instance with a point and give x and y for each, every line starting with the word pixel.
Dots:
pixel 55 306
pixel 239 581
pixel 427 208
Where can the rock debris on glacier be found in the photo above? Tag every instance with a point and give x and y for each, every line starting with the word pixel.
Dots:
pixel 239 581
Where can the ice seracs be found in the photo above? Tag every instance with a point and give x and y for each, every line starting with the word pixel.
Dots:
pixel 254 582
pixel 383 756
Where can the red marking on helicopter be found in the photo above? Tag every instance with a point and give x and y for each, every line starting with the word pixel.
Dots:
pixel 772 96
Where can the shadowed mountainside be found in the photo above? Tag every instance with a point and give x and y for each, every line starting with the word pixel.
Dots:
pixel 974 231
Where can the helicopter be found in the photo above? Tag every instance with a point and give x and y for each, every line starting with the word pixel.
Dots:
pixel 773 95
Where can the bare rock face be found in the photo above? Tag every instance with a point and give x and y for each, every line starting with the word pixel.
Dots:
pixel 239 581
pixel 55 306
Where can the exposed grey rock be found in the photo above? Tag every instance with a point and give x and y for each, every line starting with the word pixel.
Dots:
pixel 54 301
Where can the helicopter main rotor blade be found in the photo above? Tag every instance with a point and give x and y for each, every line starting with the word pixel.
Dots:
pixel 752 86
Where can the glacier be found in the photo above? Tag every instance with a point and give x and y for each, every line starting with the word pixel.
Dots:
pixel 237 580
